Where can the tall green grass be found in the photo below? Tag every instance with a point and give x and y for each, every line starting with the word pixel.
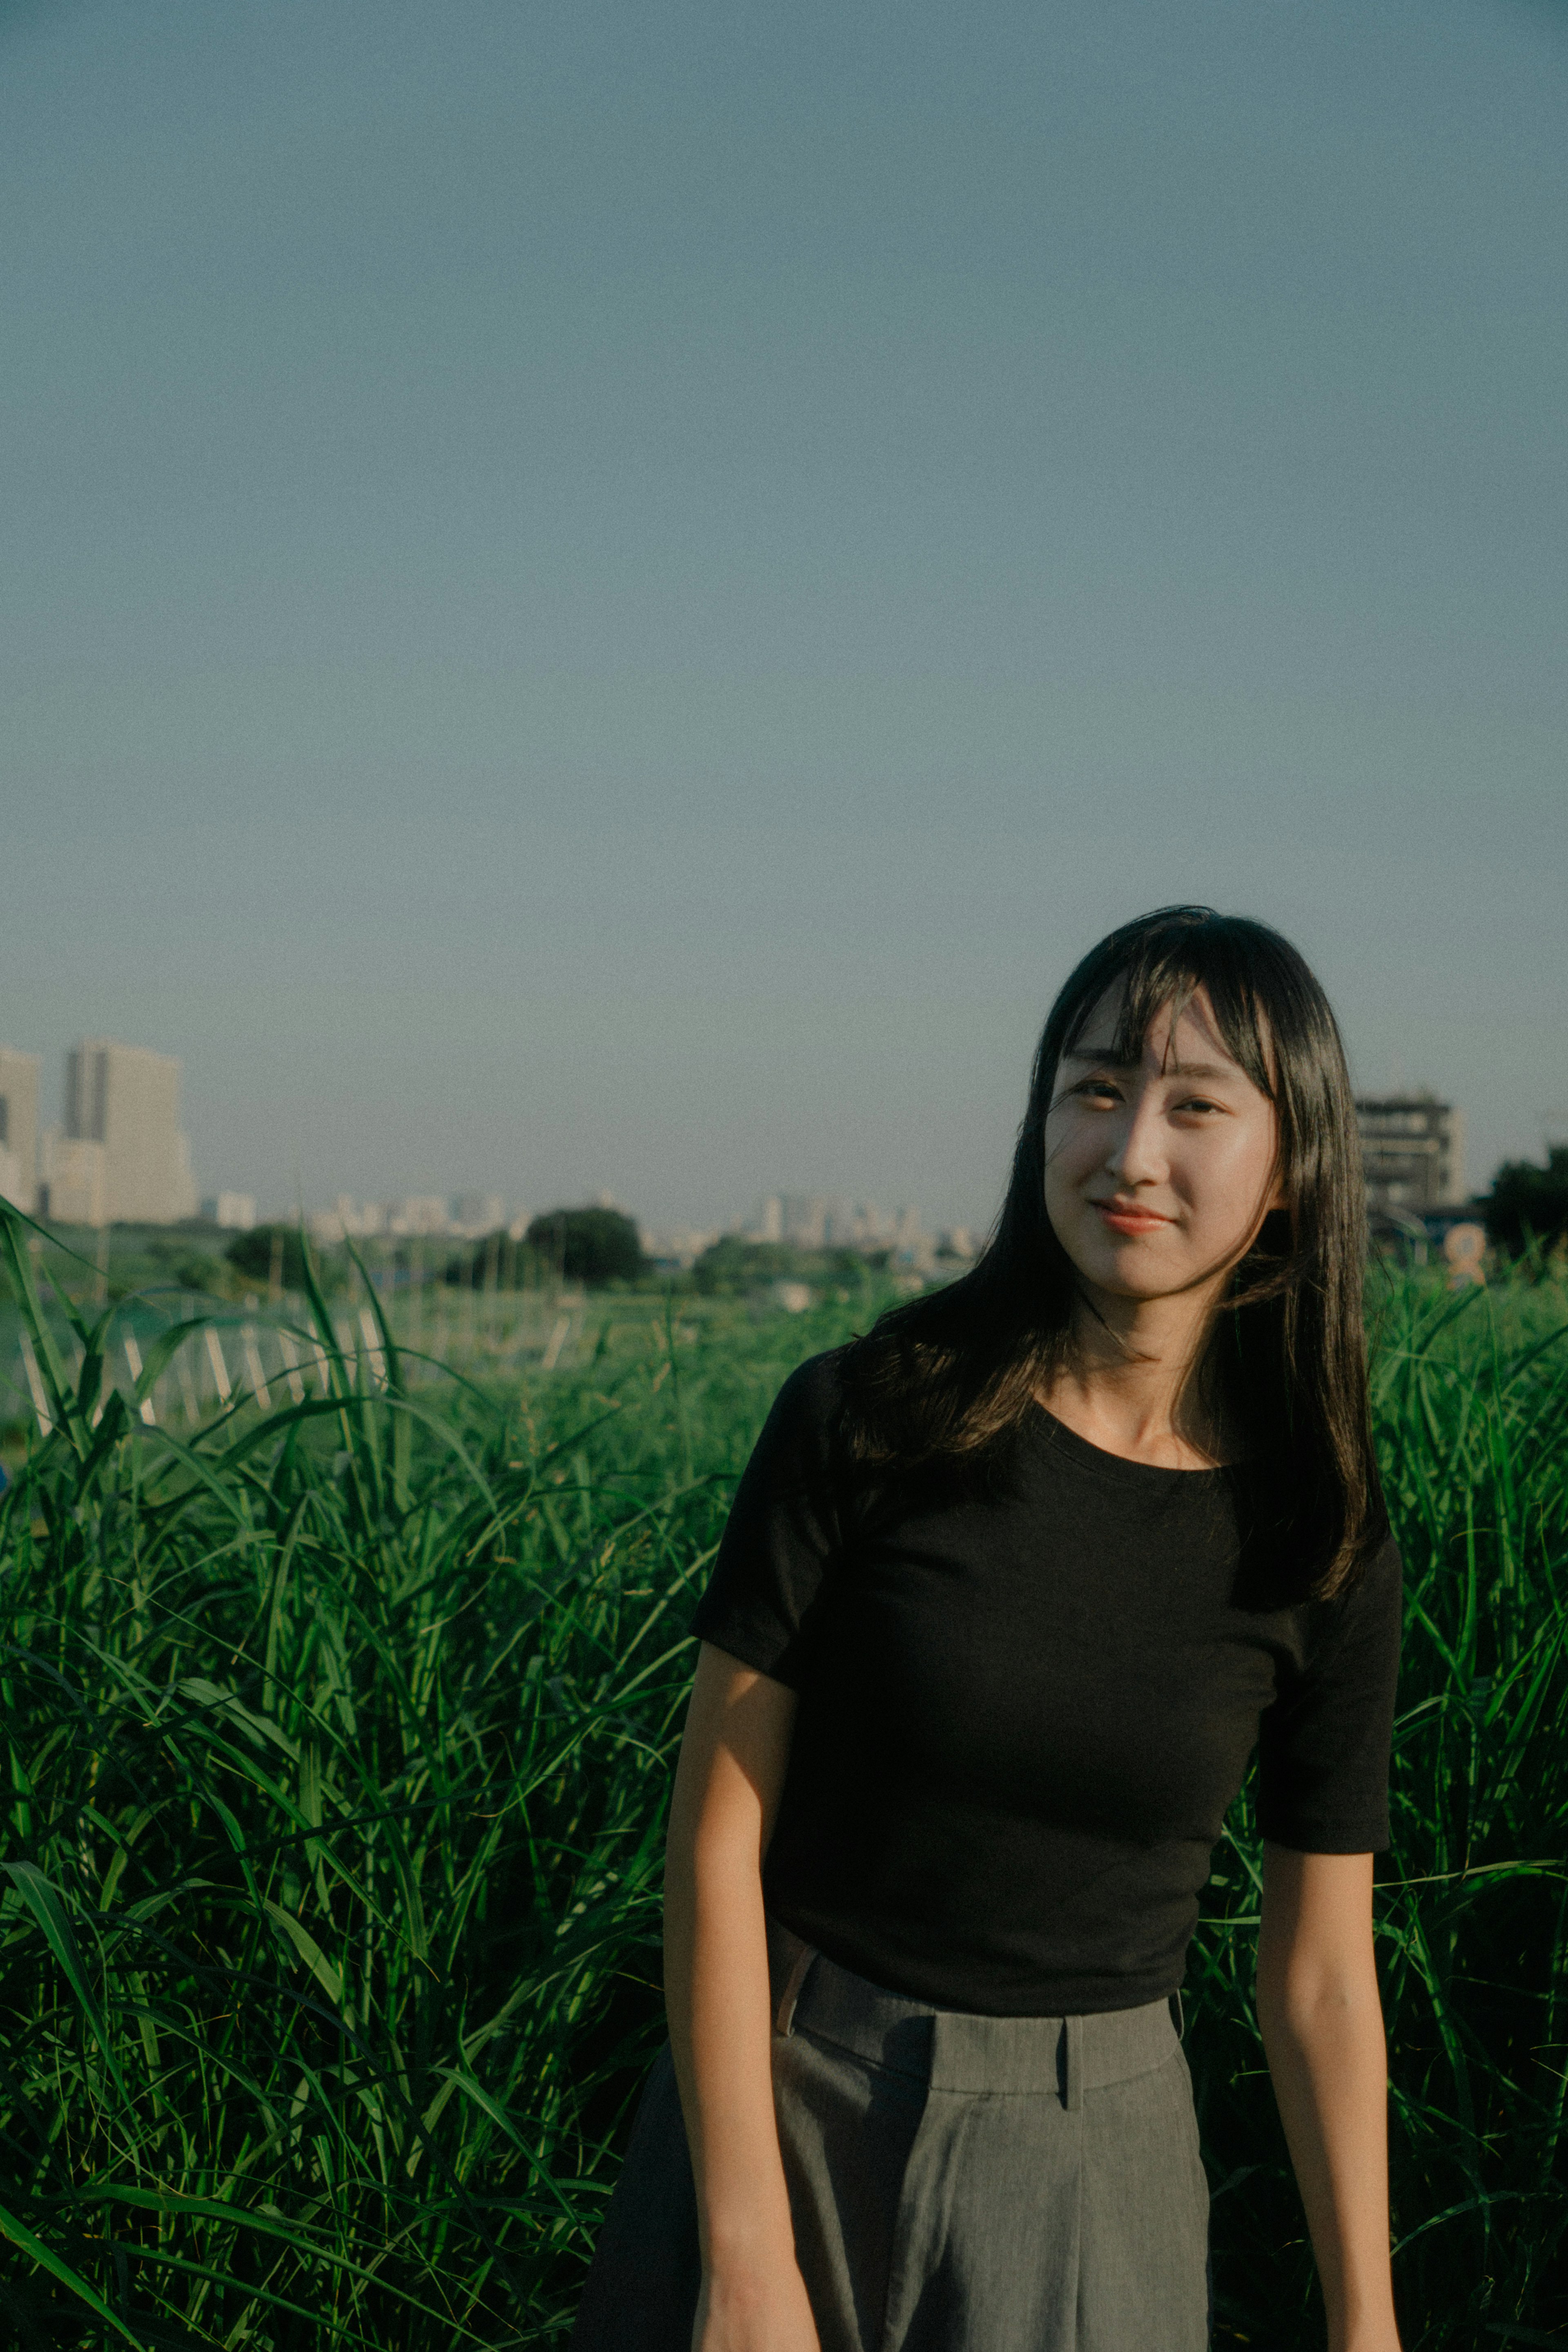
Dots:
pixel 1471 1394
pixel 336 1745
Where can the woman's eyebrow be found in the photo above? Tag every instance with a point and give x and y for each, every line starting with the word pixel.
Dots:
pixel 1108 1061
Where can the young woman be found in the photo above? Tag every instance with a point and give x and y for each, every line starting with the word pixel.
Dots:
pixel 1011 1590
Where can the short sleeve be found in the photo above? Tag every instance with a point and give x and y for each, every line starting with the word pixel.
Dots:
pixel 1323 1744
pixel 779 1548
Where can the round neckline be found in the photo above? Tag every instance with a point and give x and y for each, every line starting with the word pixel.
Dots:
pixel 1063 1439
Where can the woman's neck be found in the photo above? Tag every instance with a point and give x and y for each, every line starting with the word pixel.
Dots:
pixel 1137 1380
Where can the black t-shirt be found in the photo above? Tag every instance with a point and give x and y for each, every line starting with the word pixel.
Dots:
pixel 1024 1708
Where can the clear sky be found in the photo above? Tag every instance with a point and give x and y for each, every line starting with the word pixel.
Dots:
pixel 607 593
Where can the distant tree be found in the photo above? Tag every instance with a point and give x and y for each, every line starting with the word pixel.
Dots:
pixel 1529 1202
pixel 590 1245
pixel 732 1266
pixel 497 1261
pixel 251 1255
pixel 200 1272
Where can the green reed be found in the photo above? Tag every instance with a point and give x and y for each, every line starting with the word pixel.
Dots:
pixel 1471 1394
pixel 337 1744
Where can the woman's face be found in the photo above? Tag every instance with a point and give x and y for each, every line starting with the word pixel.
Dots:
pixel 1157 1175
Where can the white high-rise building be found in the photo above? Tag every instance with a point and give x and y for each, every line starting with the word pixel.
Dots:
pixel 20 1129
pixel 127 1100
pixel 841 1228
pixel 419 1213
pixel 768 1223
pixel 235 1212
pixel 805 1219
pixel 74 1186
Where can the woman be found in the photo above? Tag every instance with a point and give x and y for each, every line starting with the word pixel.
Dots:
pixel 1010 1591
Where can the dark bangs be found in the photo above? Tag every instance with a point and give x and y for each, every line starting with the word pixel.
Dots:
pixel 949 1376
pixel 1163 970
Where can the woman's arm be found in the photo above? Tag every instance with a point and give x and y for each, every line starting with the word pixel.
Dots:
pixel 732 1755
pixel 1323 2029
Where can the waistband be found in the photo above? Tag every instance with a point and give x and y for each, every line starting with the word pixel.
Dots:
pixel 953 2050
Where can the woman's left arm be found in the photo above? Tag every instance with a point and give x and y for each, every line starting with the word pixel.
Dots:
pixel 1323 2029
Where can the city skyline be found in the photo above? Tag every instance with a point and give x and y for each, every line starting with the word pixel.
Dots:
pixel 120 1157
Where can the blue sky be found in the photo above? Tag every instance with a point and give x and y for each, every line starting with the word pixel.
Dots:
pixel 608 596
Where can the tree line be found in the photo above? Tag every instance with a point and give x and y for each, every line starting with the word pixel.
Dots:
pixel 1526 1209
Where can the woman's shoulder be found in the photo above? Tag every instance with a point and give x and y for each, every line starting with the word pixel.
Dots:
pixel 1378 1582
pixel 818 1385
pixel 1366 1613
pixel 809 1411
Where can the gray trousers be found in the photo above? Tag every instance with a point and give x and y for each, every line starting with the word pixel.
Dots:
pixel 958 2183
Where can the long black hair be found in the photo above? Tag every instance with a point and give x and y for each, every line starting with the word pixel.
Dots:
pixel 947 1377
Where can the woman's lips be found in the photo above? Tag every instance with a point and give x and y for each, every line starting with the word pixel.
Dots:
pixel 1130 1221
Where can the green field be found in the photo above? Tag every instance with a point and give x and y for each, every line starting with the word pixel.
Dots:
pixel 337 1743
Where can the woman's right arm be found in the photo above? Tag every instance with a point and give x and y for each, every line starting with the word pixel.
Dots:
pixel 731 1771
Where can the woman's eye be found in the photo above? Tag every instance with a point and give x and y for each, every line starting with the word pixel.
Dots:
pixel 1098 1090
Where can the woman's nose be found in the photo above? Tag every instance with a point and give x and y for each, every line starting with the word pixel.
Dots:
pixel 1137 1153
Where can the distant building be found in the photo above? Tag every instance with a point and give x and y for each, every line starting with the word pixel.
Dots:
pixel 768 1223
pixel 1413 1149
pixel 805 1219
pixel 74 1186
pixel 20 1129
pixel 841 1223
pixel 419 1214
pixel 473 1214
pixel 235 1211
pixel 127 1101
pixel 814 1221
pixel 348 1218
pixel 675 1246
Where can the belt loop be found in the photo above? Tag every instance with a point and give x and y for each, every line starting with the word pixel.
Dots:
pixel 784 2016
pixel 1072 2063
